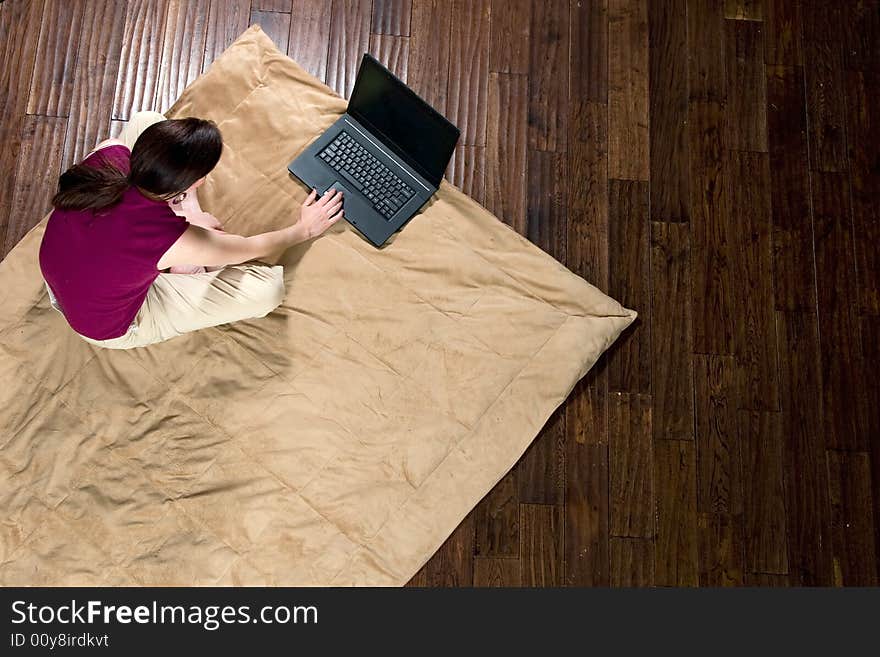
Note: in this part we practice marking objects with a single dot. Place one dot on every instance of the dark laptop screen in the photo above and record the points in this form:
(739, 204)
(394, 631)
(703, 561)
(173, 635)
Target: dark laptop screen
(422, 137)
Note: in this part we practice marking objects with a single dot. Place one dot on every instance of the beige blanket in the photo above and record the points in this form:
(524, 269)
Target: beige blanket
(339, 440)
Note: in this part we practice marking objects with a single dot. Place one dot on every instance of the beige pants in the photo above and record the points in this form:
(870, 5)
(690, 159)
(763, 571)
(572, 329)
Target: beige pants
(179, 303)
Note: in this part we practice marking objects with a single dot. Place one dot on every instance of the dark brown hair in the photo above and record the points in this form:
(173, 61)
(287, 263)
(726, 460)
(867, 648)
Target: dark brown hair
(166, 159)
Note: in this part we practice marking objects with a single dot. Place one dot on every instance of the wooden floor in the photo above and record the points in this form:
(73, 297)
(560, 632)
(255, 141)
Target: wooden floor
(714, 164)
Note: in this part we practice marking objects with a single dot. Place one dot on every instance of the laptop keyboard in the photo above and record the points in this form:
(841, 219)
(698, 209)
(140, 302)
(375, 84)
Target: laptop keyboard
(378, 183)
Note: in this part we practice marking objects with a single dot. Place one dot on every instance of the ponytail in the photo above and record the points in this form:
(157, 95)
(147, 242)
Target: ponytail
(84, 187)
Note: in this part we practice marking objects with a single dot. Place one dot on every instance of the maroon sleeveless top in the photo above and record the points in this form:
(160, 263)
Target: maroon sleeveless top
(100, 265)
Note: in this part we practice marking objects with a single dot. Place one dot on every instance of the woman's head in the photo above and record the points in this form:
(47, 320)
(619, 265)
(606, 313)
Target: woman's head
(167, 159)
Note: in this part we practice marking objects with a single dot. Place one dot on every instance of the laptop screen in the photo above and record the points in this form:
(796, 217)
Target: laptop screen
(420, 135)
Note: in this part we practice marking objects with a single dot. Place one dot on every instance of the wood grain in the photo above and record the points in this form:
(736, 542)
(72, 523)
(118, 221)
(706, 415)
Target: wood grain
(588, 64)
(763, 453)
(469, 70)
(632, 562)
(548, 79)
(745, 125)
(349, 40)
(862, 44)
(629, 365)
(540, 532)
(630, 445)
(391, 17)
(546, 211)
(672, 333)
(57, 53)
(586, 560)
(717, 436)
(823, 66)
(676, 545)
(668, 94)
(271, 5)
(429, 51)
(36, 174)
(467, 171)
(852, 522)
(721, 550)
(453, 563)
(748, 186)
(506, 143)
(540, 473)
(807, 505)
(309, 40)
(227, 19)
(706, 48)
(742, 10)
(628, 90)
(782, 39)
(496, 520)
(275, 24)
(794, 275)
(141, 57)
(509, 36)
(183, 48)
(495, 572)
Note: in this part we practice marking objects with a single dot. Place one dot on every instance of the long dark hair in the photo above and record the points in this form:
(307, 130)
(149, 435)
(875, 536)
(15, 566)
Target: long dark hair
(166, 159)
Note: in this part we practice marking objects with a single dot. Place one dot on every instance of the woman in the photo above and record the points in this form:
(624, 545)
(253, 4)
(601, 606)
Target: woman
(129, 210)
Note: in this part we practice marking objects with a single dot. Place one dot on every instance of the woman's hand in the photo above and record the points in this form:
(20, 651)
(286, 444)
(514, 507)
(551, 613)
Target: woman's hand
(318, 214)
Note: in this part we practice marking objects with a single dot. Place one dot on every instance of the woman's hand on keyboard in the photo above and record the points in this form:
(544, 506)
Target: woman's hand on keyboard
(318, 214)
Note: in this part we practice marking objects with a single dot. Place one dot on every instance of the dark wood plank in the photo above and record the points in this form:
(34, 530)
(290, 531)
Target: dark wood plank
(588, 63)
(420, 579)
(540, 539)
(717, 437)
(509, 36)
(349, 40)
(467, 171)
(671, 332)
(676, 555)
(496, 520)
(183, 49)
(843, 399)
(19, 35)
(862, 44)
(794, 276)
(823, 66)
(748, 185)
(94, 81)
(629, 367)
(743, 10)
(712, 235)
(587, 243)
(632, 562)
(548, 79)
(762, 441)
(310, 36)
(628, 90)
(852, 523)
(392, 51)
(871, 357)
(630, 445)
(506, 142)
(453, 563)
(821, 20)
(227, 19)
(469, 70)
(721, 550)
(391, 17)
(140, 58)
(767, 580)
(116, 128)
(546, 211)
(275, 24)
(428, 67)
(745, 125)
(668, 82)
(706, 47)
(540, 472)
(56, 56)
(586, 513)
(271, 5)
(782, 39)
(807, 507)
(863, 138)
(36, 174)
(495, 572)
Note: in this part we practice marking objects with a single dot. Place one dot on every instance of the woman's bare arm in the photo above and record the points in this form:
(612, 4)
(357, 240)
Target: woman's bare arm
(202, 246)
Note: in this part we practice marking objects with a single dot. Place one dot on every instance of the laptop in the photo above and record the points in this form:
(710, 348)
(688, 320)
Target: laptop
(387, 153)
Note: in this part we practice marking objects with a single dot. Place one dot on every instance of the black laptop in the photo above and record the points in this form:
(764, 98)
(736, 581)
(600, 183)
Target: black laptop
(387, 153)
